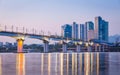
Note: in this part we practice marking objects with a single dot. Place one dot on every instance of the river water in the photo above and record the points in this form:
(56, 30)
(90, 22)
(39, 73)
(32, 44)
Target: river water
(60, 63)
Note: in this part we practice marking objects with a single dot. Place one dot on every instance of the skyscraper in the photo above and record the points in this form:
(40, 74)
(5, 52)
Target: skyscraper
(101, 29)
(88, 31)
(75, 30)
(67, 31)
(90, 35)
(81, 32)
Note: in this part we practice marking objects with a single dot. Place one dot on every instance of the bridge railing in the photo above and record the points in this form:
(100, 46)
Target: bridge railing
(23, 30)
(32, 31)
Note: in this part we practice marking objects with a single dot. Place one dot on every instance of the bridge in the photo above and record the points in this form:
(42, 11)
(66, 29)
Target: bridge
(20, 33)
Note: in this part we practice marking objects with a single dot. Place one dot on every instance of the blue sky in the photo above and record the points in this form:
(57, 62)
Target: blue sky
(49, 15)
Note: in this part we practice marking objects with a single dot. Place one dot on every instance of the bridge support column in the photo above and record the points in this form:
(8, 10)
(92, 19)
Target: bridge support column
(78, 49)
(89, 48)
(96, 47)
(20, 42)
(64, 47)
(103, 48)
(99, 48)
(46, 46)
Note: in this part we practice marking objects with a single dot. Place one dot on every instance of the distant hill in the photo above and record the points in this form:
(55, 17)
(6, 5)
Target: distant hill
(113, 38)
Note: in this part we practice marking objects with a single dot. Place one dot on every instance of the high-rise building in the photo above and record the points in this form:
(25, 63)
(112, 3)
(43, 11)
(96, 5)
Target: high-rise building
(75, 30)
(101, 29)
(88, 31)
(81, 32)
(67, 31)
(90, 35)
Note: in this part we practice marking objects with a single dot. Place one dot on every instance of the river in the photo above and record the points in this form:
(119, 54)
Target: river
(85, 63)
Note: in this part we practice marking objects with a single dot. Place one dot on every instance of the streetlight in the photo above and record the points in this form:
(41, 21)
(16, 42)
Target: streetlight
(0, 27)
(67, 41)
(5, 28)
(75, 43)
(33, 30)
(42, 33)
(49, 34)
(12, 28)
(80, 42)
(90, 45)
(23, 29)
(86, 44)
(26, 31)
(16, 29)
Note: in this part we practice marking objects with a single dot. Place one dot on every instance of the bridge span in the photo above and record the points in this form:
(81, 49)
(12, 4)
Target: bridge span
(20, 37)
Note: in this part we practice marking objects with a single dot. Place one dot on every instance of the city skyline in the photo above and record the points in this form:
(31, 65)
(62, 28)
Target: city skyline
(47, 14)
(87, 31)
(74, 30)
(28, 12)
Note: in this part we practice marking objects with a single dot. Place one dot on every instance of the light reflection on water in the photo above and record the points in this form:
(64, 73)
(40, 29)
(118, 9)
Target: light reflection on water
(20, 64)
(60, 64)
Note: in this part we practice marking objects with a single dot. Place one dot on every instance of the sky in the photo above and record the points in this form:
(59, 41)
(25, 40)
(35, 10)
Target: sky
(49, 15)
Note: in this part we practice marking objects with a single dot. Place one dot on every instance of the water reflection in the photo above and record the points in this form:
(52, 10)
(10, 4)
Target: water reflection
(60, 64)
(98, 64)
(0, 66)
(20, 64)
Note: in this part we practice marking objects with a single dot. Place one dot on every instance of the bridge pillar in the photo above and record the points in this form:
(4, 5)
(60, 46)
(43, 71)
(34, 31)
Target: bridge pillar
(20, 42)
(64, 47)
(89, 48)
(103, 48)
(46, 46)
(96, 47)
(99, 48)
(78, 49)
